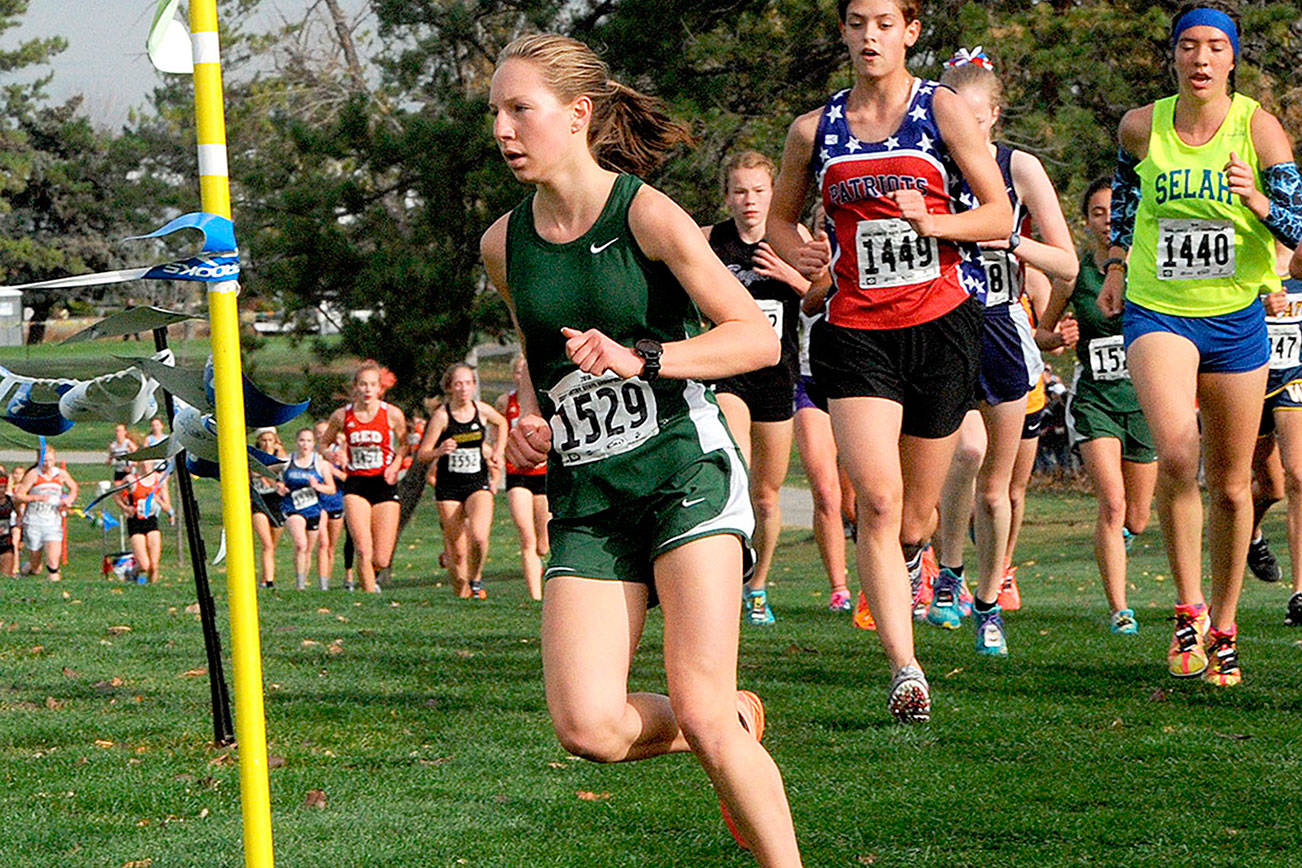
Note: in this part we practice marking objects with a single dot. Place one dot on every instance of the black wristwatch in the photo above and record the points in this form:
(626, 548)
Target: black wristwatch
(1014, 240)
(649, 351)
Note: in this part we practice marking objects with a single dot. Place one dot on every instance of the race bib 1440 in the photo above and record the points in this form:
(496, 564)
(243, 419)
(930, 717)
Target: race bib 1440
(892, 254)
(598, 417)
(1194, 249)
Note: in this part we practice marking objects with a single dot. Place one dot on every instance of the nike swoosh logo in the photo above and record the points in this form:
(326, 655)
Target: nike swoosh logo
(594, 249)
(689, 503)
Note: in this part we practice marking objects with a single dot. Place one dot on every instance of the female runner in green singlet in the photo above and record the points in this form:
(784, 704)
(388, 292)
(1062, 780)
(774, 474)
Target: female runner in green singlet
(1106, 420)
(1192, 242)
(648, 492)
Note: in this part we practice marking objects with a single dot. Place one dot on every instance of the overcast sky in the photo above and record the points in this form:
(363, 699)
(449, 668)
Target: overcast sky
(105, 60)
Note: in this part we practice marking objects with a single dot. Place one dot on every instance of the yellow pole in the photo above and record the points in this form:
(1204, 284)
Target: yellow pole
(224, 322)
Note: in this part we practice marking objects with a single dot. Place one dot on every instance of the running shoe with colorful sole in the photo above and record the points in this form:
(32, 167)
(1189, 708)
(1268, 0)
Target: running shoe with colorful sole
(1123, 622)
(909, 700)
(1222, 660)
(758, 613)
(1187, 655)
(840, 602)
(943, 611)
(991, 640)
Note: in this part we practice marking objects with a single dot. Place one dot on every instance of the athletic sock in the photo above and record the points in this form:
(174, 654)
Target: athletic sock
(301, 581)
(958, 570)
(980, 605)
(323, 582)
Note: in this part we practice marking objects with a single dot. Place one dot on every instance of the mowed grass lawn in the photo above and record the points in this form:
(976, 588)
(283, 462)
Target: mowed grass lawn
(421, 717)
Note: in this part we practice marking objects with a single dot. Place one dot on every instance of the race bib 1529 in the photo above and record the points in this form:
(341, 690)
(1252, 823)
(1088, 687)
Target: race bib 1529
(597, 417)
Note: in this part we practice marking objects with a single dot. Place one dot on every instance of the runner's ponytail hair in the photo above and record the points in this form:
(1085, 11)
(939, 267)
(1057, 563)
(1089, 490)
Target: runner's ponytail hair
(630, 131)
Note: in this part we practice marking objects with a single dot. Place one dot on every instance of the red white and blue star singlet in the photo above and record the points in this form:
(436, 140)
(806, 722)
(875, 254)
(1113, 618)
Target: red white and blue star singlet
(885, 275)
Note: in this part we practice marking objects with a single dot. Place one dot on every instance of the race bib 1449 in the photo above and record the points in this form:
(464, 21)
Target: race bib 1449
(891, 254)
(597, 417)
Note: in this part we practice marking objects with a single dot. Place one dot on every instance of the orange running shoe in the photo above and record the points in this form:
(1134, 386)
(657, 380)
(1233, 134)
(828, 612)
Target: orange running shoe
(750, 711)
(930, 569)
(1010, 598)
(1187, 656)
(863, 618)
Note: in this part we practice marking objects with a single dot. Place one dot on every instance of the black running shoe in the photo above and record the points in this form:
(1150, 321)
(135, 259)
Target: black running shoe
(1262, 562)
(1293, 617)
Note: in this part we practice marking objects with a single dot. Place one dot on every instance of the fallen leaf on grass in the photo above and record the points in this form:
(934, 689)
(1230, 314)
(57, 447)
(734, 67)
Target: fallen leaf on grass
(1232, 736)
(53, 704)
(118, 629)
(794, 649)
(275, 762)
(141, 823)
(36, 649)
(867, 859)
(951, 673)
(194, 673)
(437, 761)
(192, 609)
(310, 643)
(588, 796)
(224, 759)
(139, 863)
(106, 686)
(341, 619)
(335, 648)
(556, 765)
(103, 743)
(70, 673)
(315, 799)
(1116, 723)
(203, 813)
(321, 611)
(465, 654)
(1158, 695)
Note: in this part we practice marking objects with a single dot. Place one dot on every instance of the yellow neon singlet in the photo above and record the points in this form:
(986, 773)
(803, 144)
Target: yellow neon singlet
(1198, 250)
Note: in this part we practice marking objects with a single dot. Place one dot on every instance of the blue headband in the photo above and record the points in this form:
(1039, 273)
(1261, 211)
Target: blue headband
(1209, 18)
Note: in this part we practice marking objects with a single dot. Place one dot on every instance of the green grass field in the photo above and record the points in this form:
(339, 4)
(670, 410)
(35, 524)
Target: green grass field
(422, 719)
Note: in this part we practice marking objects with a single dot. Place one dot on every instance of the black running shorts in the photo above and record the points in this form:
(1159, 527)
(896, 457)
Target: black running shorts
(929, 369)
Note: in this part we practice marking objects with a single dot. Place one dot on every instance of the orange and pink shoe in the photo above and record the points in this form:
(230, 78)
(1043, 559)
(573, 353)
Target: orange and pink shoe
(1010, 598)
(863, 616)
(1187, 656)
(750, 711)
(1222, 659)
